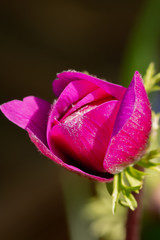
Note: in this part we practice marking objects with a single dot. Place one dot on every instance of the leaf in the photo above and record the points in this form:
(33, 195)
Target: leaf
(128, 188)
(123, 203)
(152, 154)
(156, 88)
(134, 177)
(130, 199)
(156, 78)
(128, 181)
(149, 73)
(147, 162)
(151, 80)
(155, 168)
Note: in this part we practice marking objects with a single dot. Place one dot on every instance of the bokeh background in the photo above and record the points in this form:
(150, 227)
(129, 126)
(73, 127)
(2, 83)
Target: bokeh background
(110, 39)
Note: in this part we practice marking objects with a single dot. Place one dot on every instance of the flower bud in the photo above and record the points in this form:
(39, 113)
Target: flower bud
(95, 128)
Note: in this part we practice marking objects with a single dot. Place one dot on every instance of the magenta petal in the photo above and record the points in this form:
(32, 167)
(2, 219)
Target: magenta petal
(65, 78)
(84, 135)
(71, 94)
(30, 113)
(131, 129)
(45, 151)
(94, 98)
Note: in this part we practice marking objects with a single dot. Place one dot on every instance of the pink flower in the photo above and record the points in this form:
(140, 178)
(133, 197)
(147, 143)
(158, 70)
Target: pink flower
(95, 128)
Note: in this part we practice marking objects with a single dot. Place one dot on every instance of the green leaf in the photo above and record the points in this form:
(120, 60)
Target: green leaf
(155, 168)
(149, 74)
(156, 78)
(151, 155)
(128, 181)
(156, 88)
(130, 200)
(126, 187)
(134, 177)
(147, 162)
(135, 173)
(150, 79)
(123, 203)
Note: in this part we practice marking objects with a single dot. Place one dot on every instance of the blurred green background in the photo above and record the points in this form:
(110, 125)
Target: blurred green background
(110, 39)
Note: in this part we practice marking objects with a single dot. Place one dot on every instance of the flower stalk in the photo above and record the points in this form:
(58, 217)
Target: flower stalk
(133, 226)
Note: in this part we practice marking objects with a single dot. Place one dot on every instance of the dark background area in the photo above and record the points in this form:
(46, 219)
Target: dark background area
(37, 40)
